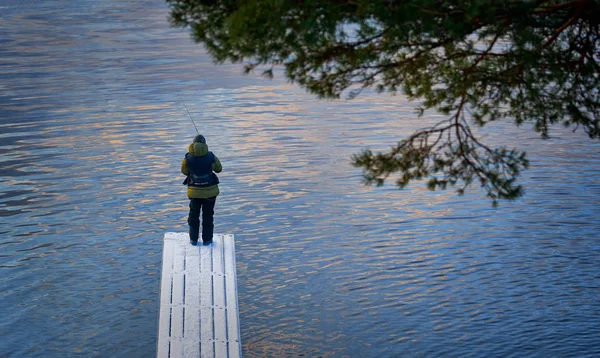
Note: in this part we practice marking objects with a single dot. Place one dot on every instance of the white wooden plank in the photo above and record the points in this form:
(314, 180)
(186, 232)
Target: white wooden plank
(191, 332)
(220, 321)
(164, 321)
(176, 348)
(206, 302)
(172, 236)
(199, 313)
(177, 301)
(233, 326)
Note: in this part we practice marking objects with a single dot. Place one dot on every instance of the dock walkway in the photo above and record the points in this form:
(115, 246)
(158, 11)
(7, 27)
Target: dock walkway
(199, 315)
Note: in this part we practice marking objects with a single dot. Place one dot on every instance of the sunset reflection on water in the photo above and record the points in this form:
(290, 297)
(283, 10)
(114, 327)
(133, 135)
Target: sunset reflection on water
(91, 140)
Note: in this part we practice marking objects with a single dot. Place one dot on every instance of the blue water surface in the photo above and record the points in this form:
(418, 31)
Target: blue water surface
(92, 133)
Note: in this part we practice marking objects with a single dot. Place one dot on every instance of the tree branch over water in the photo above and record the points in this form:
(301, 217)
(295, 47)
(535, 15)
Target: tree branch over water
(478, 62)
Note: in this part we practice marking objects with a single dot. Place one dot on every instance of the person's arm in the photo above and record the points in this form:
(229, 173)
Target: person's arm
(184, 169)
(216, 166)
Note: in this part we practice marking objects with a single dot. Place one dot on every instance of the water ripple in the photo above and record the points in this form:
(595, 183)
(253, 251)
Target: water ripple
(90, 148)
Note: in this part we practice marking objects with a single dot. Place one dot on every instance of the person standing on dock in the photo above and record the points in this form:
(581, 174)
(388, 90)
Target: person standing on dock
(199, 166)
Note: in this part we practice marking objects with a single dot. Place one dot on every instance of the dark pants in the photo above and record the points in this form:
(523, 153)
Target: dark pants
(208, 210)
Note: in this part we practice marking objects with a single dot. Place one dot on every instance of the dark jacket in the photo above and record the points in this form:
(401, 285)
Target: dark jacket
(201, 150)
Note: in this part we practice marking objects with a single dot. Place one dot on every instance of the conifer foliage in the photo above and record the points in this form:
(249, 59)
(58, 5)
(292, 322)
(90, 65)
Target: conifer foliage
(476, 62)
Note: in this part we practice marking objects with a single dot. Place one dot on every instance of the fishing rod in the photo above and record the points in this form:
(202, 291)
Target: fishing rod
(188, 112)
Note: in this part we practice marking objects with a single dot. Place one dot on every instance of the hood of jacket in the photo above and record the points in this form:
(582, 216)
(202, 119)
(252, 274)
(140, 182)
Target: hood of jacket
(198, 149)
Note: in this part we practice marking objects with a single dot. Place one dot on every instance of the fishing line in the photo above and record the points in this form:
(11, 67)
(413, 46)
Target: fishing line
(188, 112)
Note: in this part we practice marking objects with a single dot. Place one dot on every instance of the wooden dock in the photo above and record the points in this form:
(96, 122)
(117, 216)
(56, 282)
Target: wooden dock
(198, 299)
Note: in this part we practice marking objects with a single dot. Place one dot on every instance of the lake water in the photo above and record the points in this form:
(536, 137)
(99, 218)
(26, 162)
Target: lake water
(92, 134)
